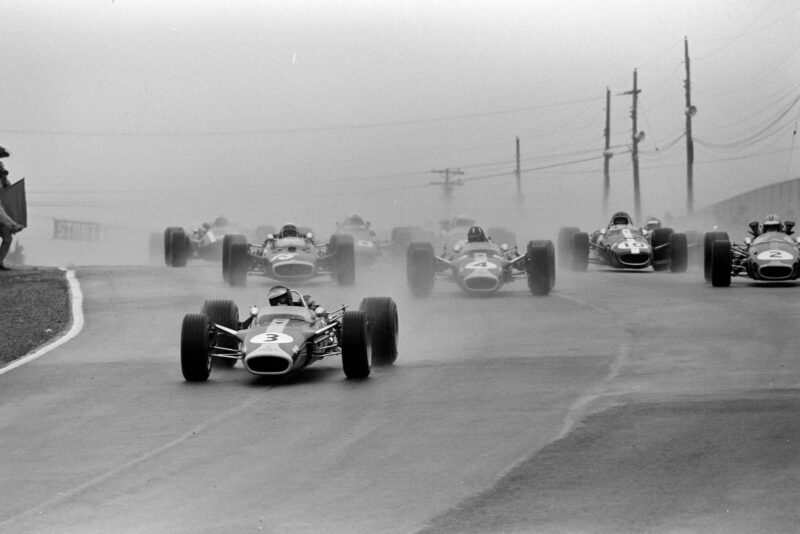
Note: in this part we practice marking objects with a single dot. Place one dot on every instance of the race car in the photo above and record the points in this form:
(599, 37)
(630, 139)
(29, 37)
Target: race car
(204, 242)
(480, 266)
(770, 254)
(365, 244)
(283, 339)
(289, 257)
(622, 245)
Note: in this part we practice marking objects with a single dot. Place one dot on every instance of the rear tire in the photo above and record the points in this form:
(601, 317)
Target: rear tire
(179, 247)
(580, 251)
(226, 313)
(356, 350)
(237, 260)
(721, 263)
(168, 244)
(540, 267)
(226, 257)
(381, 315)
(678, 253)
(709, 238)
(420, 268)
(195, 342)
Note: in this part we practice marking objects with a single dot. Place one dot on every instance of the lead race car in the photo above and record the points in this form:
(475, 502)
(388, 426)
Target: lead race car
(770, 254)
(203, 242)
(623, 245)
(290, 334)
(288, 256)
(477, 265)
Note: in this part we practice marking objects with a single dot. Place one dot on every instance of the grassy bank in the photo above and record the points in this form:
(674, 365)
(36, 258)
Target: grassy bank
(34, 308)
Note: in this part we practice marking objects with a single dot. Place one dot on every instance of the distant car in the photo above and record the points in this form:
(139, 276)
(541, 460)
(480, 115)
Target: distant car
(481, 267)
(622, 245)
(402, 236)
(202, 242)
(366, 247)
(288, 259)
(770, 257)
(282, 340)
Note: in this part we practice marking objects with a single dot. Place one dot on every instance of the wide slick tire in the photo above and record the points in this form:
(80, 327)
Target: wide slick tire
(540, 267)
(678, 253)
(179, 247)
(382, 318)
(580, 251)
(344, 259)
(225, 313)
(709, 238)
(564, 246)
(355, 345)
(195, 344)
(226, 257)
(721, 263)
(168, 244)
(420, 268)
(237, 260)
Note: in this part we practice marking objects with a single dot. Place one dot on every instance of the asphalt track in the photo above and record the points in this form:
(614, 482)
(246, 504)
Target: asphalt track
(623, 402)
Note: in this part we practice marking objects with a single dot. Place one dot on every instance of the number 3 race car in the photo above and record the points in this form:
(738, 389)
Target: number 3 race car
(771, 256)
(288, 258)
(481, 267)
(284, 339)
(622, 245)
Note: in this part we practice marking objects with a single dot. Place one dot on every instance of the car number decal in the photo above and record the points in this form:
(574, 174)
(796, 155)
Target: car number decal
(774, 255)
(284, 257)
(271, 337)
(481, 265)
(632, 244)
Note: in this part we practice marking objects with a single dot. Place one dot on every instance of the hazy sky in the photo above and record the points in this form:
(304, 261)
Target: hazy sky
(269, 111)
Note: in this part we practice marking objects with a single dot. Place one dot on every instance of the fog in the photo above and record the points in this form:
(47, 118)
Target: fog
(138, 115)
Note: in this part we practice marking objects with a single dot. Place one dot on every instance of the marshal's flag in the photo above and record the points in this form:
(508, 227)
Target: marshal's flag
(13, 201)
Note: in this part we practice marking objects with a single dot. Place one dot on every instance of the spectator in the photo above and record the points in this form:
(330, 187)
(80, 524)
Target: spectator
(8, 226)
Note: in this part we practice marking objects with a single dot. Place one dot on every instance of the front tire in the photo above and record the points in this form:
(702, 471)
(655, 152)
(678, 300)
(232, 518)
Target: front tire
(237, 260)
(420, 268)
(660, 242)
(195, 344)
(721, 263)
(344, 259)
(540, 267)
(225, 313)
(381, 315)
(580, 252)
(678, 253)
(708, 239)
(356, 349)
(565, 248)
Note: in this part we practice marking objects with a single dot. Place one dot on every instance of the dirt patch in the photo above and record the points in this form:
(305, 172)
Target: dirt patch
(34, 308)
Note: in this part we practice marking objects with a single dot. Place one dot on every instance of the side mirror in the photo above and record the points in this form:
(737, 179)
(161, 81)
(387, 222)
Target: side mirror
(309, 235)
(602, 231)
(754, 227)
(789, 226)
(270, 236)
(504, 247)
(747, 241)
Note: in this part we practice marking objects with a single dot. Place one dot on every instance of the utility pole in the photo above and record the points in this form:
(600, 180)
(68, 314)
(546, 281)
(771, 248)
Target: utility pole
(607, 154)
(447, 184)
(518, 174)
(690, 111)
(636, 137)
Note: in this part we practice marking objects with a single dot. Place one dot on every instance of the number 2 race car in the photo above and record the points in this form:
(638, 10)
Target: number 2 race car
(622, 245)
(284, 339)
(770, 256)
(293, 258)
(481, 267)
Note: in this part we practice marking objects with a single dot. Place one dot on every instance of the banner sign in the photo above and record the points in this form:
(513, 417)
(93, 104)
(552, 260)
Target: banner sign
(76, 230)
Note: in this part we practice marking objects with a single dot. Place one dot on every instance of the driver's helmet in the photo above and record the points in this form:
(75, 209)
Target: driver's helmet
(620, 218)
(652, 223)
(288, 230)
(279, 296)
(772, 224)
(354, 219)
(476, 235)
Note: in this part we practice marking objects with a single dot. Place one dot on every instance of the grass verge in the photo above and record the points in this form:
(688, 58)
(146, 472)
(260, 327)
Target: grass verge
(34, 308)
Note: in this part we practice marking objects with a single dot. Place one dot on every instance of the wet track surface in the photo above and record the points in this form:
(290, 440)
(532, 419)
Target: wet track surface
(624, 401)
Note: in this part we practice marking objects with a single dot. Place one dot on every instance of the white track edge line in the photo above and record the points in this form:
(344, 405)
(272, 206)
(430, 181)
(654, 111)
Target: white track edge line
(76, 298)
